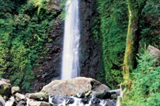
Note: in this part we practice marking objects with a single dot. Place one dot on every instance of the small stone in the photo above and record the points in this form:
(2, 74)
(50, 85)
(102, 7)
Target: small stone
(95, 101)
(15, 89)
(19, 97)
(39, 103)
(85, 100)
(79, 95)
(40, 96)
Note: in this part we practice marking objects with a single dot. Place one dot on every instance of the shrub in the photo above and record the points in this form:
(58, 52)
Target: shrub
(146, 84)
(24, 28)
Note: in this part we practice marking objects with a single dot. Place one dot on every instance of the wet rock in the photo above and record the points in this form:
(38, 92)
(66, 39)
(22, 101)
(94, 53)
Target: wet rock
(95, 101)
(80, 95)
(70, 101)
(85, 100)
(57, 99)
(90, 49)
(115, 93)
(74, 101)
(111, 103)
(21, 103)
(74, 86)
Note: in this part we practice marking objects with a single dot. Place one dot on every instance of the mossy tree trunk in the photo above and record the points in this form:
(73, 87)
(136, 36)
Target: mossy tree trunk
(134, 10)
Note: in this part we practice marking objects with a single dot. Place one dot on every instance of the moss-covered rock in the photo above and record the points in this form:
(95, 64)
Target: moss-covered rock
(5, 87)
(40, 96)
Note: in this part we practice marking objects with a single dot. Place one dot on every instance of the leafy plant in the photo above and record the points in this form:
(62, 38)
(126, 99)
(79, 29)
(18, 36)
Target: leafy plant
(149, 24)
(145, 87)
(23, 34)
(113, 28)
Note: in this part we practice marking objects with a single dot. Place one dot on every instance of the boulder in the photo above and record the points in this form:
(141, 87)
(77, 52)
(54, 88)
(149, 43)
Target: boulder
(5, 87)
(154, 51)
(74, 86)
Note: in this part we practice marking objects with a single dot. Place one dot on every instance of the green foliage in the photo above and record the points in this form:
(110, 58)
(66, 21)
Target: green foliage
(40, 4)
(63, 5)
(22, 38)
(113, 29)
(149, 24)
(113, 26)
(146, 82)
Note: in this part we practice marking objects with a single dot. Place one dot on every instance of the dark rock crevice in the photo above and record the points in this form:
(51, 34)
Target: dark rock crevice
(90, 49)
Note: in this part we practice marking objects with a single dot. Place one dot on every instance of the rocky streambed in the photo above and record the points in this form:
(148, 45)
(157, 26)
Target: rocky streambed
(80, 91)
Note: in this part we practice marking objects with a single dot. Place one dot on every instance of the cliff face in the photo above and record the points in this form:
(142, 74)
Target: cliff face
(50, 66)
(90, 50)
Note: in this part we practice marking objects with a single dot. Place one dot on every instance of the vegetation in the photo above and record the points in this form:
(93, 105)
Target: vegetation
(140, 29)
(24, 29)
(113, 28)
(134, 11)
(145, 86)
(124, 27)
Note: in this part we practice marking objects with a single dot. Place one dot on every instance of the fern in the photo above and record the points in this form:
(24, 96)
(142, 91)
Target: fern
(145, 87)
(113, 28)
(22, 38)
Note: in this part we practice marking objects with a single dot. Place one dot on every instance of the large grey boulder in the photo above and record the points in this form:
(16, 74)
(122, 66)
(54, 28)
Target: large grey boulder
(75, 86)
(154, 51)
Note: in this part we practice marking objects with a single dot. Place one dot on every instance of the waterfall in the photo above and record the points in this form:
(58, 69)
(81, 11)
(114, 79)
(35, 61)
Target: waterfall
(70, 59)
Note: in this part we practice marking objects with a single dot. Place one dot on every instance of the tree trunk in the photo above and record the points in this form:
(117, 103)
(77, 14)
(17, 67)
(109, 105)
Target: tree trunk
(131, 42)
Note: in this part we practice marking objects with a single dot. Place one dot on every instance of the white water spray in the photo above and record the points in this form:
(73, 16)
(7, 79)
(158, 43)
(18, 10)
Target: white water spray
(70, 59)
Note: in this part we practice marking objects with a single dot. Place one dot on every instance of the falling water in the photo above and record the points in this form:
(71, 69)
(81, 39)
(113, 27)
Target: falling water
(70, 60)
